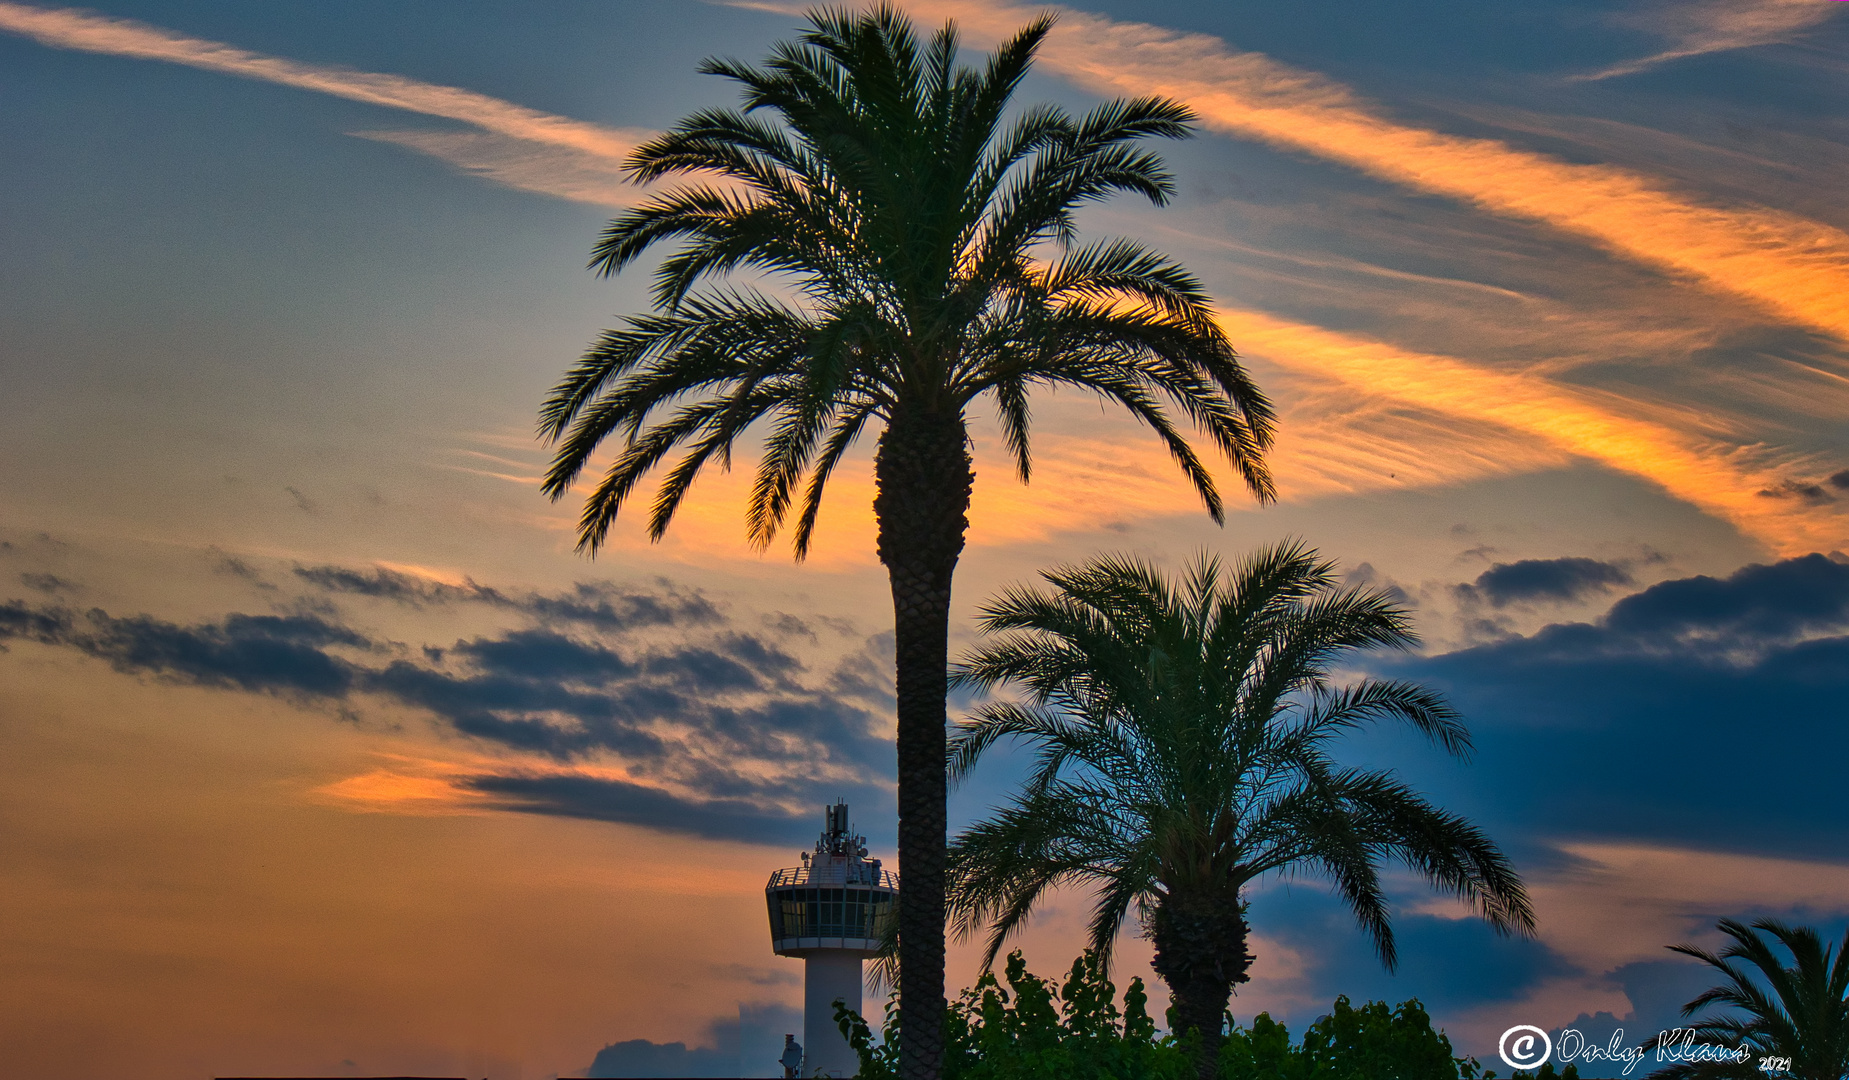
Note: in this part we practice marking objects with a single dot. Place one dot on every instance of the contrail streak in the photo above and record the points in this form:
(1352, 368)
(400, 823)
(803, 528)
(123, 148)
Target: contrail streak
(1698, 29)
(1790, 265)
(71, 28)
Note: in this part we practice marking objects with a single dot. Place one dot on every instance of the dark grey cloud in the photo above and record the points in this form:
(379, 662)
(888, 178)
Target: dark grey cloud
(50, 584)
(1840, 479)
(660, 680)
(1364, 575)
(546, 654)
(1757, 605)
(786, 625)
(533, 712)
(602, 799)
(547, 692)
(611, 607)
(1553, 580)
(731, 662)
(46, 626)
(747, 1045)
(1802, 490)
(642, 1058)
(236, 567)
(280, 654)
(1703, 712)
(379, 582)
(596, 605)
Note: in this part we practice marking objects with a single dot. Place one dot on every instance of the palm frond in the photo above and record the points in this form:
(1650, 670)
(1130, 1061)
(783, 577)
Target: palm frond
(1798, 1011)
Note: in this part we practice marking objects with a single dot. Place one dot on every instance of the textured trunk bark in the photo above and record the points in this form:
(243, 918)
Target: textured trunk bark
(924, 473)
(1200, 942)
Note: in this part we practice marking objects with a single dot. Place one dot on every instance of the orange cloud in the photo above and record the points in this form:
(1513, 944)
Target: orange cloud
(385, 791)
(1792, 266)
(1722, 480)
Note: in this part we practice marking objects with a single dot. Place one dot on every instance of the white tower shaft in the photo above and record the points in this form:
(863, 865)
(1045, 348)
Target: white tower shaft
(829, 975)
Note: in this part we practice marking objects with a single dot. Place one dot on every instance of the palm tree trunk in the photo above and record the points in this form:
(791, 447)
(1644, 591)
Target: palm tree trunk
(924, 473)
(1200, 941)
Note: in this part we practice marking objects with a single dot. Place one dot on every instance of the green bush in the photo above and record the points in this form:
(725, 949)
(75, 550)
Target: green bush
(1372, 1042)
(1034, 1029)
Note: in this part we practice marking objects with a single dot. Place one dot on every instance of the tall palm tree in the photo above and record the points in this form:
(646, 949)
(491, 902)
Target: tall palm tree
(924, 235)
(1183, 733)
(1800, 1013)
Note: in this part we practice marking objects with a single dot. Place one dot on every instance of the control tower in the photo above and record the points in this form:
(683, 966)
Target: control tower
(832, 911)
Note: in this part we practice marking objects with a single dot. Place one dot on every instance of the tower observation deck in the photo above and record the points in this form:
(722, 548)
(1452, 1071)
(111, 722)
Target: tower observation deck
(833, 911)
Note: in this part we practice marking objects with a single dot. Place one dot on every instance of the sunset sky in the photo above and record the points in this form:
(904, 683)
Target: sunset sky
(322, 752)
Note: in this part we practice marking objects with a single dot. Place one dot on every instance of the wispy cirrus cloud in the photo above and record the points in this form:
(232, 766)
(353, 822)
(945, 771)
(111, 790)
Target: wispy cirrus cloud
(517, 146)
(1359, 414)
(1514, 422)
(1721, 479)
(562, 172)
(1717, 26)
(1787, 264)
(1098, 470)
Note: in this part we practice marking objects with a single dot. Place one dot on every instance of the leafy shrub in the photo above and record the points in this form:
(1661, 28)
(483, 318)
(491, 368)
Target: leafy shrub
(1033, 1029)
(1372, 1042)
(1037, 1029)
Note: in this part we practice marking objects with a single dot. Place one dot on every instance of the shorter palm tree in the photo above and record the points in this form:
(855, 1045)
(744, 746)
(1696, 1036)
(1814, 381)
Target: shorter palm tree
(1799, 1013)
(1183, 734)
